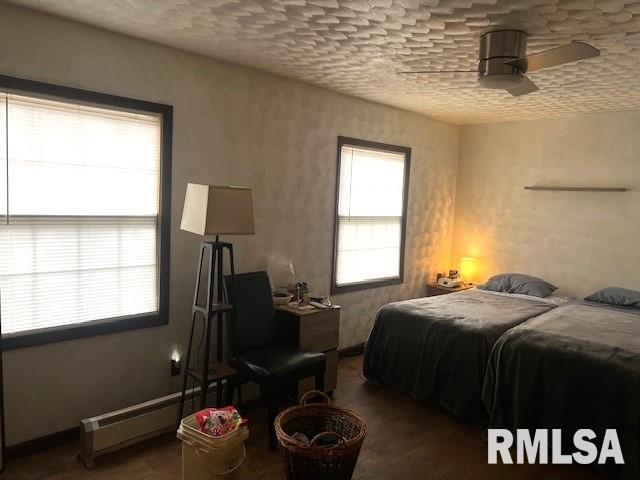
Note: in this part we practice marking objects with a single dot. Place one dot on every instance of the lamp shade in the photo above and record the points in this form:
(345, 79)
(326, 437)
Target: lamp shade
(217, 210)
(467, 269)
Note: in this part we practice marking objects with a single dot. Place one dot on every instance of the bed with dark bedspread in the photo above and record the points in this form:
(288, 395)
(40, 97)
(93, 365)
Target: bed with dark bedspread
(577, 366)
(436, 349)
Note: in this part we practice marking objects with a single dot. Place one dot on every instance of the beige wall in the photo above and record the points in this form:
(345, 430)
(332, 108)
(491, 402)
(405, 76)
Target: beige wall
(579, 241)
(231, 125)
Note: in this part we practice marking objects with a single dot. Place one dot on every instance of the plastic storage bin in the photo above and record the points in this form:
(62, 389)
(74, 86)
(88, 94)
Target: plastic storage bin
(210, 458)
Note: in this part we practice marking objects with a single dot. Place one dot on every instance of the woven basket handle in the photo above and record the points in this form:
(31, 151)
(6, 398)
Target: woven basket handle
(315, 439)
(314, 393)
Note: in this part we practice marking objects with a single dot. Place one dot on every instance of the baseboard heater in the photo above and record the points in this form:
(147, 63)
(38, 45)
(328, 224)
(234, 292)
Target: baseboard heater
(121, 428)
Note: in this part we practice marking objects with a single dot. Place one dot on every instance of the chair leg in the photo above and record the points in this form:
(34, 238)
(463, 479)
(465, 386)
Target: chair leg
(219, 394)
(272, 412)
(320, 381)
(231, 386)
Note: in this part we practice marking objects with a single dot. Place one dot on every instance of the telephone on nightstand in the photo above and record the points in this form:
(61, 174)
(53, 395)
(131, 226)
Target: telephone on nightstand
(452, 281)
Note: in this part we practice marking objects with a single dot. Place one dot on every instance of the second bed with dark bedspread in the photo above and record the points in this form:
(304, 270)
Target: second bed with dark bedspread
(436, 349)
(575, 367)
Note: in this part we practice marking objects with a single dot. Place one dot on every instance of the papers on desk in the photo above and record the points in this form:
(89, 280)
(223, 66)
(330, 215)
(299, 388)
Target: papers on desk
(302, 308)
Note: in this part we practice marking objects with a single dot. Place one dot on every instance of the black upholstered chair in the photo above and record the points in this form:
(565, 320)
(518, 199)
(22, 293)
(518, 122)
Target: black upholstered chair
(255, 351)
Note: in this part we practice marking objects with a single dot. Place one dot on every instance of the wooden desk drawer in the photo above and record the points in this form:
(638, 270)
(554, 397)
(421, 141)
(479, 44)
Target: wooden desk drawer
(319, 332)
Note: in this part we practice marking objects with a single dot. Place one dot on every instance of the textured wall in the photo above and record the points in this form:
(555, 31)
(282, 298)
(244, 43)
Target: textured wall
(579, 241)
(231, 125)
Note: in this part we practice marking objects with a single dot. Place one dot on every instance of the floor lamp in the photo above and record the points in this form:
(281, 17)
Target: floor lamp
(212, 210)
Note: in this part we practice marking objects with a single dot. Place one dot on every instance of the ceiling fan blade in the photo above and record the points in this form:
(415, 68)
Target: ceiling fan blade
(441, 71)
(556, 56)
(526, 86)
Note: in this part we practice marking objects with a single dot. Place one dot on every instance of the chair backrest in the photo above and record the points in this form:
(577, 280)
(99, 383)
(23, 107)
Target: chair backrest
(254, 324)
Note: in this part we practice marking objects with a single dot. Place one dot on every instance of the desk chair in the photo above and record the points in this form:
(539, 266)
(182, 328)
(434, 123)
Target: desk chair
(255, 351)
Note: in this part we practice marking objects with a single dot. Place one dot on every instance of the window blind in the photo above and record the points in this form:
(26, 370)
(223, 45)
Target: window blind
(370, 209)
(80, 188)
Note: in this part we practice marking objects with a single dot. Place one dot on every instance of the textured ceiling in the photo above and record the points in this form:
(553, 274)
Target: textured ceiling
(358, 46)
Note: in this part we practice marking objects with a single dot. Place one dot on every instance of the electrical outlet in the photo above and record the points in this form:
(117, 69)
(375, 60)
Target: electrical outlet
(175, 368)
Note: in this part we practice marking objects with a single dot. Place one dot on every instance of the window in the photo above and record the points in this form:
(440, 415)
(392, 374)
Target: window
(83, 212)
(371, 206)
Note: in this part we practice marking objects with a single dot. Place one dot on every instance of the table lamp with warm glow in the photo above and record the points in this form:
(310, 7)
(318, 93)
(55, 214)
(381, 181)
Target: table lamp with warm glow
(213, 210)
(468, 269)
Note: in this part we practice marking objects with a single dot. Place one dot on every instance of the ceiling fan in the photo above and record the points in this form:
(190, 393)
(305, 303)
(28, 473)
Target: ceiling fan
(504, 62)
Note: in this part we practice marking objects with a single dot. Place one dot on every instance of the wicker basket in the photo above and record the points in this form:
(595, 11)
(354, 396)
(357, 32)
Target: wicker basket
(317, 421)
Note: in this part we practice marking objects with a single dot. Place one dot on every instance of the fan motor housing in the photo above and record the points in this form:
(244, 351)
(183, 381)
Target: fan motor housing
(496, 48)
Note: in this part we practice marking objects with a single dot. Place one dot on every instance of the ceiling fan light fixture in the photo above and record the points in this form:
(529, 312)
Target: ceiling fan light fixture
(500, 80)
(503, 61)
(496, 48)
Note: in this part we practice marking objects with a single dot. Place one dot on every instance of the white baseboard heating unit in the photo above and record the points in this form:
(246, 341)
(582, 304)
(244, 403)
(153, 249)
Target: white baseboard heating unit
(121, 428)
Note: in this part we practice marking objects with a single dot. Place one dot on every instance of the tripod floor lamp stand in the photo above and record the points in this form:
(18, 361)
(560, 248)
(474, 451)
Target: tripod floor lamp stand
(212, 210)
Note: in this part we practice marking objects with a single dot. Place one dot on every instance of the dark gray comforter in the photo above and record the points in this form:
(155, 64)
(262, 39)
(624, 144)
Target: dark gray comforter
(577, 366)
(436, 349)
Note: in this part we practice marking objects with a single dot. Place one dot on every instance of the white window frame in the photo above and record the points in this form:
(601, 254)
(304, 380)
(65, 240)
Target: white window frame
(374, 282)
(108, 325)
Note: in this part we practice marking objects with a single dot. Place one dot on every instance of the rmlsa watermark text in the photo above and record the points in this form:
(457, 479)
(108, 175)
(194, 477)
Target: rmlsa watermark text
(536, 449)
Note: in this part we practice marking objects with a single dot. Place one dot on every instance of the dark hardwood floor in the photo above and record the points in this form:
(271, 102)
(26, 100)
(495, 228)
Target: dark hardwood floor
(406, 440)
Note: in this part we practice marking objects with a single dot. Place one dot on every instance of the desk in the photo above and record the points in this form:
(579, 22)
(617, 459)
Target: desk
(316, 330)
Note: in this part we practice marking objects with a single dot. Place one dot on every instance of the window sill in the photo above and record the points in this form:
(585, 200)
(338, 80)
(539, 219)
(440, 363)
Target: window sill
(44, 336)
(354, 287)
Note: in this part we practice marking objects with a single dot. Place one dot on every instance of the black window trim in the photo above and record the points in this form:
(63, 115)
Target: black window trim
(44, 336)
(382, 282)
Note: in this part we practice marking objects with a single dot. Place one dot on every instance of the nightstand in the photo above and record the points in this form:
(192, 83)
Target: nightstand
(433, 289)
(316, 330)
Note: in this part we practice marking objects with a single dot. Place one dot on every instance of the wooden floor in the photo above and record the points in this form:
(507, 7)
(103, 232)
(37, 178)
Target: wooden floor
(406, 440)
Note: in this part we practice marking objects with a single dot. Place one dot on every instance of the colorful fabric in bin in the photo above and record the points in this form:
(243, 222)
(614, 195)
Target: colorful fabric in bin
(219, 421)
